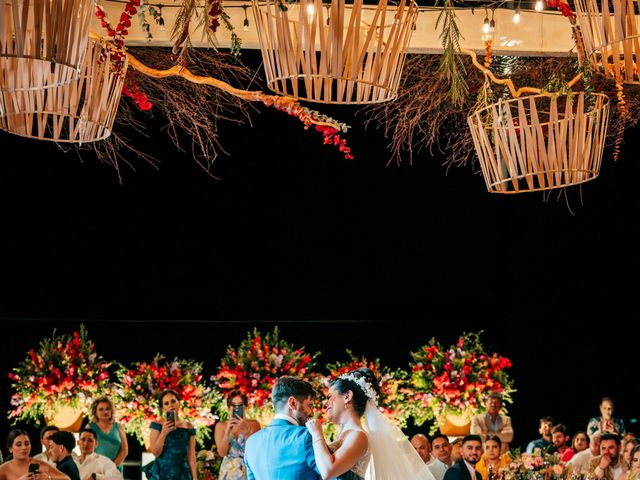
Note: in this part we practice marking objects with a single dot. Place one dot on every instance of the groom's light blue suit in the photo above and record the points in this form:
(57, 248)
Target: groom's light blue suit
(281, 451)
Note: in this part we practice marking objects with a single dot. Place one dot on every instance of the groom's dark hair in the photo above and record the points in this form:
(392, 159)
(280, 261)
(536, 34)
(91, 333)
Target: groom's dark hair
(288, 386)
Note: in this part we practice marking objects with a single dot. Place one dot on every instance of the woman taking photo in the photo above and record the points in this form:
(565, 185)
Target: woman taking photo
(173, 443)
(22, 466)
(112, 441)
(231, 436)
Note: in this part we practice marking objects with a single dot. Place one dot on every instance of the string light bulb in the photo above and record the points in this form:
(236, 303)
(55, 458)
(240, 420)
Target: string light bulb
(539, 6)
(311, 10)
(245, 24)
(486, 28)
(492, 23)
(516, 16)
(160, 20)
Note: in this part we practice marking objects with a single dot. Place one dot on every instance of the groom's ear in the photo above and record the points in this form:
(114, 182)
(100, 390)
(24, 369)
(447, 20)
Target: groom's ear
(292, 403)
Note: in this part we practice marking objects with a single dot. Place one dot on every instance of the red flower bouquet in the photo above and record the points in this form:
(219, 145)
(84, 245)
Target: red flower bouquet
(136, 402)
(64, 371)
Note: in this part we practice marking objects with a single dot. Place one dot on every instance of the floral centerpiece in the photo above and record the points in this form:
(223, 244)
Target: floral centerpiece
(208, 464)
(535, 466)
(136, 401)
(255, 364)
(393, 385)
(64, 371)
(456, 380)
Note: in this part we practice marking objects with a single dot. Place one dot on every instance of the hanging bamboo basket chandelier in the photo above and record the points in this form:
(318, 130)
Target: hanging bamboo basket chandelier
(610, 37)
(333, 53)
(82, 111)
(540, 142)
(42, 42)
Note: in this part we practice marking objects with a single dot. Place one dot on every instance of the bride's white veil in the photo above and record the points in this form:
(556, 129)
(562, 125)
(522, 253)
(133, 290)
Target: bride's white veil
(392, 455)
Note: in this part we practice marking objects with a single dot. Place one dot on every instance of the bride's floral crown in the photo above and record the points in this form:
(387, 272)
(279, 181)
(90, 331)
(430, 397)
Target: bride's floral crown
(366, 387)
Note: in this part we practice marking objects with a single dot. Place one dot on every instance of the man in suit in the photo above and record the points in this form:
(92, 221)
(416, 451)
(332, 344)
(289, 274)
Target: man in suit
(284, 449)
(465, 469)
(493, 423)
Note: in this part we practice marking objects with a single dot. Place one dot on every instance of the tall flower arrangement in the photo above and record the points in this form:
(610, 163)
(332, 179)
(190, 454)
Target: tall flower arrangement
(64, 371)
(456, 379)
(138, 385)
(253, 366)
(394, 400)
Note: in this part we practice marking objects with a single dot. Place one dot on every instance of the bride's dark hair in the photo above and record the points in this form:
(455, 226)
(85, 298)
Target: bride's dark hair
(343, 385)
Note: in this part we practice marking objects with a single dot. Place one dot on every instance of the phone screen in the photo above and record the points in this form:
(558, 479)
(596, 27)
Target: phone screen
(171, 416)
(238, 411)
(34, 468)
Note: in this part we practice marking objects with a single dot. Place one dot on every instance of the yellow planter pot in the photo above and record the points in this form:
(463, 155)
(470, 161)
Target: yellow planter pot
(65, 418)
(455, 425)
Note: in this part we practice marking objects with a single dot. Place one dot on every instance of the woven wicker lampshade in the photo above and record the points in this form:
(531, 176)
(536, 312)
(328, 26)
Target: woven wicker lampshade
(334, 54)
(83, 111)
(540, 142)
(42, 42)
(610, 37)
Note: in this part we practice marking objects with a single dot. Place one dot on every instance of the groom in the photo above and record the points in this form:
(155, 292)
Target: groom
(284, 449)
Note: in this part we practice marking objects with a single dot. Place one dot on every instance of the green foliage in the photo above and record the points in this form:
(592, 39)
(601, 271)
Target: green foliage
(451, 67)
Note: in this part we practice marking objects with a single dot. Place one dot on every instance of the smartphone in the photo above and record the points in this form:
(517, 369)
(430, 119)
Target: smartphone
(171, 416)
(238, 411)
(34, 467)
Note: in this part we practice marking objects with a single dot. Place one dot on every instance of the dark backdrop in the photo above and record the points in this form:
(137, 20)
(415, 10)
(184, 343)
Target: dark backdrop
(342, 254)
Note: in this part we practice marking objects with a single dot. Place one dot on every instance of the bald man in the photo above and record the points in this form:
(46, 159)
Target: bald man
(421, 443)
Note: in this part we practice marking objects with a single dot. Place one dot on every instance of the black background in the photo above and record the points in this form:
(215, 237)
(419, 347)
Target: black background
(340, 254)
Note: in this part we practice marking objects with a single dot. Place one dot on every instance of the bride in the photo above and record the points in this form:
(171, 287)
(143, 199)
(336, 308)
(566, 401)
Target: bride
(377, 451)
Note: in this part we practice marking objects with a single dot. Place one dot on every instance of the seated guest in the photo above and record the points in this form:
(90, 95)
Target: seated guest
(61, 446)
(580, 461)
(544, 442)
(626, 449)
(606, 422)
(559, 438)
(45, 440)
(20, 466)
(579, 443)
(493, 423)
(421, 443)
(456, 450)
(492, 459)
(633, 473)
(607, 465)
(441, 451)
(91, 463)
(465, 469)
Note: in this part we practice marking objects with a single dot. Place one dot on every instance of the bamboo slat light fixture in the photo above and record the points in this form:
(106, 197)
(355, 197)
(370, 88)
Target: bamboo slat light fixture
(337, 55)
(540, 142)
(42, 42)
(610, 37)
(82, 111)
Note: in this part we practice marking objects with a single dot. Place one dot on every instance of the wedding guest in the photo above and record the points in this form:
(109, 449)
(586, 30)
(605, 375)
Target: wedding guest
(544, 442)
(173, 443)
(112, 440)
(421, 444)
(628, 435)
(626, 449)
(492, 459)
(559, 438)
(18, 468)
(465, 469)
(607, 465)
(91, 463)
(606, 422)
(231, 437)
(62, 444)
(492, 422)
(441, 451)
(633, 473)
(456, 450)
(45, 440)
(580, 461)
(579, 443)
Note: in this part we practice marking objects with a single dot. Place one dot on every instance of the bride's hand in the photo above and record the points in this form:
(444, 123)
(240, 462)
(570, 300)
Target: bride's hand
(315, 428)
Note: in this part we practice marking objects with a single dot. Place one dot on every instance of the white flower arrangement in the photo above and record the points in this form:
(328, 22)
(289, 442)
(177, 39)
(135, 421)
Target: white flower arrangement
(366, 387)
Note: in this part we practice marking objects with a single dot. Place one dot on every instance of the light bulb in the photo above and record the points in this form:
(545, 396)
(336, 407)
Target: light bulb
(516, 16)
(245, 25)
(485, 26)
(492, 25)
(539, 6)
(310, 10)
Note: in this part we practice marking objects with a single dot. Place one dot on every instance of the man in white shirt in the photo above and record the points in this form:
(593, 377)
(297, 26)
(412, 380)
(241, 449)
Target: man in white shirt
(421, 444)
(580, 462)
(441, 450)
(94, 466)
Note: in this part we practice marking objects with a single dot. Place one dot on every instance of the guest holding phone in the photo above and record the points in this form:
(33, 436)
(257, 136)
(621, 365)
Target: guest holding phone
(231, 436)
(22, 466)
(173, 443)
